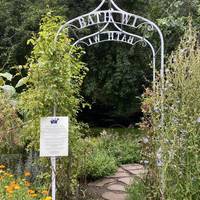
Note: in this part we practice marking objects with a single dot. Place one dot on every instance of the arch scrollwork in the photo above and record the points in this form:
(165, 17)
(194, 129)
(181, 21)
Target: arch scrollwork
(105, 19)
(115, 15)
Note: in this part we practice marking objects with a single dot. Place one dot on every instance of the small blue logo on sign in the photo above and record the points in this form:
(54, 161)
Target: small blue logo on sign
(54, 121)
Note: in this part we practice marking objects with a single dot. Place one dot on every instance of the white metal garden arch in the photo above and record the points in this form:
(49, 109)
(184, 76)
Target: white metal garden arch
(110, 25)
(115, 16)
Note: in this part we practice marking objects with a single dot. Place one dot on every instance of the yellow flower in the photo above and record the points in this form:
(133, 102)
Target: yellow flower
(26, 173)
(8, 174)
(45, 192)
(34, 195)
(47, 198)
(2, 167)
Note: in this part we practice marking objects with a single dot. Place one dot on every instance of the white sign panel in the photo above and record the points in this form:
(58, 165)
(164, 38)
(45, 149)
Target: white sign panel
(54, 136)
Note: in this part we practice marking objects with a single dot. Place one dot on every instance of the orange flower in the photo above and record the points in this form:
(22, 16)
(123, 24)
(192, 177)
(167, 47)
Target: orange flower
(2, 167)
(31, 191)
(13, 186)
(16, 187)
(9, 189)
(45, 192)
(13, 183)
(26, 173)
(27, 184)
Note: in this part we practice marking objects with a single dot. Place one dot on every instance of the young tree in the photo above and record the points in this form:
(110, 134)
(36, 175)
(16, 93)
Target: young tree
(55, 76)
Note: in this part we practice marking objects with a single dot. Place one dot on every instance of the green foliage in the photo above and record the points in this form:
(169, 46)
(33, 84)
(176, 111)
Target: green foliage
(124, 148)
(99, 164)
(113, 77)
(10, 125)
(107, 151)
(133, 132)
(173, 150)
(172, 17)
(55, 75)
(114, 81)
(137, 191)
(19, 20)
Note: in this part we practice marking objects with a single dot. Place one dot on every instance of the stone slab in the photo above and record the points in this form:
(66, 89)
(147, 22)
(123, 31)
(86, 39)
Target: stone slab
(137, 172)
(132, 167)
(126, 180)
(119, 175)
(120, 170)
(117, 187)
(114, 196)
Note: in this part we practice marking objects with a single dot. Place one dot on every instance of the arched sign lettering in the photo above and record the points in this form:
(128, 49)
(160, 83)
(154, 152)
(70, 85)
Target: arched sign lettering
(110, 25)
(110, 22)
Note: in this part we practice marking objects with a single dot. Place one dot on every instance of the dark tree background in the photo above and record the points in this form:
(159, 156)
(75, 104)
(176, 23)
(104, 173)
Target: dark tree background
(118, 72)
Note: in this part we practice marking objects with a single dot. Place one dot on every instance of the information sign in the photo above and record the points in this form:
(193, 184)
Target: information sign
(54, 136)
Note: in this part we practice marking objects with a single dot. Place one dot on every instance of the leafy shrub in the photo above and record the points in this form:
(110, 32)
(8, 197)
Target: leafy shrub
(173, 150)
(124, 148)
(99, 164)
(104, 153)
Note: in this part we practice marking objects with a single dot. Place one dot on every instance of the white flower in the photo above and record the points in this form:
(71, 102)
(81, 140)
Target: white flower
(167, 70)
(156, 110)
(198, 120)
(103, 133)
(145, 140)
(159, 154)
(159, 157)
(146, 162)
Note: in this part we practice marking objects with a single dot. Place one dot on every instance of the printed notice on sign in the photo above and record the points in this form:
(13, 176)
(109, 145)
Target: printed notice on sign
(54, 136)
